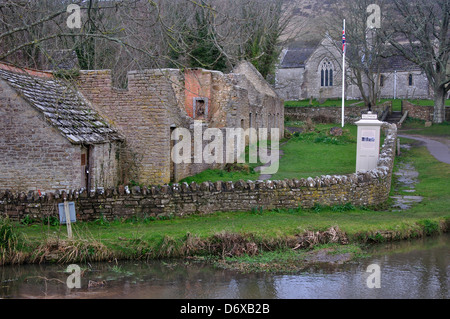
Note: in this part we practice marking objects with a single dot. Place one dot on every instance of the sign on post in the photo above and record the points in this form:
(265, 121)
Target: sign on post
(67, 215)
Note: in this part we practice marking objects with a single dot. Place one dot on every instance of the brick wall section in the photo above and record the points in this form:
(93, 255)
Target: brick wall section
(198, 85)
(34, 155)
(327, 114)
(363, 189)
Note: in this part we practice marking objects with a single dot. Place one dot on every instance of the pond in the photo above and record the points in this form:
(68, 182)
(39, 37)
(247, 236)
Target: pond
(408, 269)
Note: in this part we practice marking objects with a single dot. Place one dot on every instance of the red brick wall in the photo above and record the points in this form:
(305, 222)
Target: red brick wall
(198, 85)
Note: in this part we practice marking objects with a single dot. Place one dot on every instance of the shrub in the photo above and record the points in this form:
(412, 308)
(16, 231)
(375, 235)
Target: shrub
(429, 227)
(9, 236)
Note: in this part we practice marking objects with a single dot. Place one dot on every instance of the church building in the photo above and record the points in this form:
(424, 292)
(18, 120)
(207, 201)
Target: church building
(315, 71)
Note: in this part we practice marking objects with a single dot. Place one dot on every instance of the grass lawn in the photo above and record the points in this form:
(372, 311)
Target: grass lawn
(240, 172)
(315, 102)
(433, 179)
(305, 155)
(396, 103)
(416, 126)
(426, 102)
(315, 154)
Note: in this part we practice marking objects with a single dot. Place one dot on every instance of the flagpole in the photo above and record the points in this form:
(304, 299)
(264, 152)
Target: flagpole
(343, 72)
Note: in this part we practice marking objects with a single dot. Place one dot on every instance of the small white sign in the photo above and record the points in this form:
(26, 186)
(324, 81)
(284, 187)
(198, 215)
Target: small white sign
(62, 214)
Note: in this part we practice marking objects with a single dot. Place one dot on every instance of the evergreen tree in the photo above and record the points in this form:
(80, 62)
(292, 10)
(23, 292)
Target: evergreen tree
(204, 50)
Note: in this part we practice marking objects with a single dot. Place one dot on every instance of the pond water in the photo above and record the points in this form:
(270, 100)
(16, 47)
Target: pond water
(408, 269)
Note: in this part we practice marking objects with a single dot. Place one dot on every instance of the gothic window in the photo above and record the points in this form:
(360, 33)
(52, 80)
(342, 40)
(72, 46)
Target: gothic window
(410, 79)
(381, 80)
(326, 73)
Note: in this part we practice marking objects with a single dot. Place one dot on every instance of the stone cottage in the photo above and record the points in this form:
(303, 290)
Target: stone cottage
(50, 136)
(316, 71)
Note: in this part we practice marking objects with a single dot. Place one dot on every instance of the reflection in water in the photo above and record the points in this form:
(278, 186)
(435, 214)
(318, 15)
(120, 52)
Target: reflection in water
(416, 269)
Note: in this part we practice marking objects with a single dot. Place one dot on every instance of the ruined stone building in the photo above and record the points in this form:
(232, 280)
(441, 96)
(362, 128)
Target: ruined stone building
(157, 102)
(316, 71)
(56, 135)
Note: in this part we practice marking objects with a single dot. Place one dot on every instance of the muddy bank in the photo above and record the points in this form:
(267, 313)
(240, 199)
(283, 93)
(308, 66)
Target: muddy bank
(220, 246)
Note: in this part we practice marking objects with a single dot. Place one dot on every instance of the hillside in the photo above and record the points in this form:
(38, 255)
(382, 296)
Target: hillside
(309, 18)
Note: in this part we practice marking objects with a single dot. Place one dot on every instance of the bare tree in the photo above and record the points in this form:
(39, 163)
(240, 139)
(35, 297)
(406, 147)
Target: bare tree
(420, 32)
(365, 47)
(132, 34)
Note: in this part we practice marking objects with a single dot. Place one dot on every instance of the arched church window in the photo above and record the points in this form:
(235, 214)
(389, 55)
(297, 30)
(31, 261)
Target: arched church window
(326, 73)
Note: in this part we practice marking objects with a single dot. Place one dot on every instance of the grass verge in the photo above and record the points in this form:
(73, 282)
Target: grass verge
(416, 126)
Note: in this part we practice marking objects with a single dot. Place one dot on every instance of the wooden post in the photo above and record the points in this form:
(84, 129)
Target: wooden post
(68, 223)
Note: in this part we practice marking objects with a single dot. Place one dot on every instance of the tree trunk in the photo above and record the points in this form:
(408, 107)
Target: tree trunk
(439, 105)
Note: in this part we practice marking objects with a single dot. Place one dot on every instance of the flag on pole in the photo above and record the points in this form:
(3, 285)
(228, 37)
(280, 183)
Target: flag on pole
(343, 39)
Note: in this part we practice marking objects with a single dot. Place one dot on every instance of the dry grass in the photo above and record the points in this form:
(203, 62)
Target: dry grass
(70, 251)
(311, 238)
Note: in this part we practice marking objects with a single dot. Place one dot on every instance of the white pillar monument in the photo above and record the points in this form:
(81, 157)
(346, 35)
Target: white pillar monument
(368, 145)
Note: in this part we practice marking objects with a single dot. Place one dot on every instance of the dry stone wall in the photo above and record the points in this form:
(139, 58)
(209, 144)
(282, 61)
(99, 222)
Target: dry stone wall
(360, 189)
(332, 114)
(422, 112)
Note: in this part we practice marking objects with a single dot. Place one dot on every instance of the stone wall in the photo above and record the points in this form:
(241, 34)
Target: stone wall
(34, 155)
(266, 108)
(422, 112)
(141, 114)
(417, 111)
(396, 84)
(289, 83)
(332, 114)
(360, 189)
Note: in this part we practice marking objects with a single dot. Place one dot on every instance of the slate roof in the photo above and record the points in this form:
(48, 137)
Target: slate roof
(297, 55)
(296, 58)
(63, 107)
(397, 63)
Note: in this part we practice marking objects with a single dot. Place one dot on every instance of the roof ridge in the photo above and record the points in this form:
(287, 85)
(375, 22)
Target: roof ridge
(63, 107)
(23, 70)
